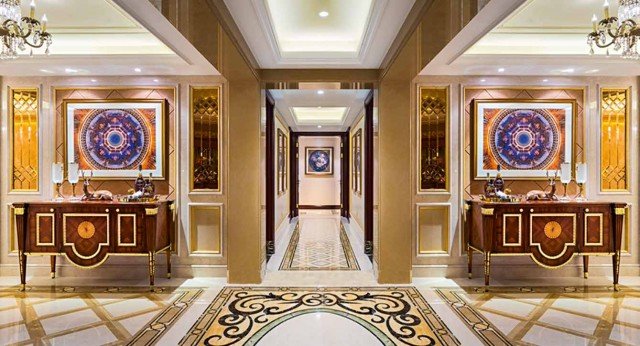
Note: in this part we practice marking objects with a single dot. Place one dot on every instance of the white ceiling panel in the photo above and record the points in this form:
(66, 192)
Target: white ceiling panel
(293, 34)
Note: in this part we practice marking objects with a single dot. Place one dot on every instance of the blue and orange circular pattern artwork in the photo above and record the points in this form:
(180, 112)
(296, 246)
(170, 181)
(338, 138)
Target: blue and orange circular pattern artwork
(115, 138)
(525, 139)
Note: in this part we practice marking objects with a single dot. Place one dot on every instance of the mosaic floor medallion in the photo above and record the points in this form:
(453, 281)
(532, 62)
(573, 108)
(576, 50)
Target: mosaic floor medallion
(391, 316)
(549, 315)
(45, 315)
(320, 249)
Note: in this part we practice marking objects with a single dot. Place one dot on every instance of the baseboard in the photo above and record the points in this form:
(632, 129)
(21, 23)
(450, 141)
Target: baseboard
(520, 271)
(319, 207)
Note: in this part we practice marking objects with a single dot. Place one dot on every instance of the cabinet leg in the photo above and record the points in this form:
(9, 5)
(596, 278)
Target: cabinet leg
(23, 270)
(53, 267)
(152, 268)
(616, 270)
(487, 267)
(470, 262)
(585, 262)
(169, 262)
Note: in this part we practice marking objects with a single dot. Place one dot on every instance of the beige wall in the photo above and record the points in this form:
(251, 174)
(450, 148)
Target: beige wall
(356, 202)
(319, 189)
(185, 263)
(454, 263)
(282, 200)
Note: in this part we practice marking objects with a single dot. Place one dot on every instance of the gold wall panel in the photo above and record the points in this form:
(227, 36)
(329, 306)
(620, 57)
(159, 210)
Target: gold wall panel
(205, 138)
(23, 115)
(13, 240)
(205, 229)
(433, 229)
(614, 137)
(433, 138)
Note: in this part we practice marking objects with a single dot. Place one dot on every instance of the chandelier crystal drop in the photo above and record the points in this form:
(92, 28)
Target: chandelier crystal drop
(17, 32)
(622, 33)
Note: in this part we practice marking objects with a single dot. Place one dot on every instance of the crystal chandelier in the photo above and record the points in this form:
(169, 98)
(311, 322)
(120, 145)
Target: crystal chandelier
(622, 32)
(18, 32)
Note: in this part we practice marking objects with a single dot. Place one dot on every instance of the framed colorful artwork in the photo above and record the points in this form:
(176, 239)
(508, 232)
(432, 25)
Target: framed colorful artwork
(281, 163)
(357, 162)
(319, 160)
(114, 138)
(526, 139)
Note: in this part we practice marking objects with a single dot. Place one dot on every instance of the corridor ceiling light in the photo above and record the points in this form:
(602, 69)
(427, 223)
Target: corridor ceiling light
(483, 80)
(17, 32)
(622, 32)
(94, 80)
(319, 115)
(501, 70)
(323, 14)
(545, 80)
(568, 70)
(319, 126)
(70, 70)
(137, 69)
(320, 92)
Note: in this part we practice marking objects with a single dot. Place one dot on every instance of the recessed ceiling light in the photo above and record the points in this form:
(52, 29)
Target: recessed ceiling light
(46, 71)
(137, 69)
(568, 70)
(94, 80)
(320, 92)
(319, 126)
(319, 107)
(483, 80)
(70, 70)
(593, 71)
(501, 70)
(545, 80)
(156, 80)
(323, 14)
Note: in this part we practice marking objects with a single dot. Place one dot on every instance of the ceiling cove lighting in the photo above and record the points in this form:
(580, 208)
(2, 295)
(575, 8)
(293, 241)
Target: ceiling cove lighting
(501, 70)
(17, 32)
(323, 14)
(621, 32)
(137, 69)
(320, 92)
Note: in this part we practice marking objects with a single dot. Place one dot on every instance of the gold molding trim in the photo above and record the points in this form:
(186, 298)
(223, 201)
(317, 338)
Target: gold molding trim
(18, 211)
(446, 225)
(135, 230)
(620, 211)
(487, 211)
(151, 211)
(600, 216)
(626, 133)
(191, 138)
(447, 157)
(504, 230)
(53, 229)
(566, 245)
(73, 245)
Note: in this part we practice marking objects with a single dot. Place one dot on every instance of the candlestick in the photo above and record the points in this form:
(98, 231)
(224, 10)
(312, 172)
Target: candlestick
(581, 179)
(594, 21)
(74, 177)
(32, 9)
(57, 177)
(44, 22)
(606, 9)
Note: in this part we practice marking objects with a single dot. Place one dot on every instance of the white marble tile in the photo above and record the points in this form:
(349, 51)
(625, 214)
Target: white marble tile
(569, 321)
(509, 306)
(633, 302)
(580, 306)
(72, 320)
(10, 316)
(503, 323)
(58, 306)
(319, 329)
(625, 334)
(629, 316)
(450, 318)
(14, 334)
(135, 323)
(87, 337)
(7, 302)
(546, 336)
(129, 306)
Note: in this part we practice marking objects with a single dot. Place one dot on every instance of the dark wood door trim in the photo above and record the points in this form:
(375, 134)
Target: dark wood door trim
(270, 175)
(344, 170)
(293, 176)
(368, 176)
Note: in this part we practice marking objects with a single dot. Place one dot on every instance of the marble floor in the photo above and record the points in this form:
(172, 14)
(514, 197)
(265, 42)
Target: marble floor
(320, 307)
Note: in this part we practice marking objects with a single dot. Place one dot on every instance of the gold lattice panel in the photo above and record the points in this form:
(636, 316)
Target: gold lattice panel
(433, 118)
(205, 138)
(24, 144)
(613, 139)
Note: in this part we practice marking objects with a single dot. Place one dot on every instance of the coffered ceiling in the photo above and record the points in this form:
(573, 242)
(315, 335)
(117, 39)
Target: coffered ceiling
(105, 37)
(319, 33)
(319, 109)
(532, 37)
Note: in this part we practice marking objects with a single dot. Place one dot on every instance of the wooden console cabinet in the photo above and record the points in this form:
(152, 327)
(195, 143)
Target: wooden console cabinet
(551, 233)
(88, 232)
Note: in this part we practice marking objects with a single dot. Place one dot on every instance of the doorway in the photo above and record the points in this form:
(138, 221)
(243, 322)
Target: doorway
(317, 165)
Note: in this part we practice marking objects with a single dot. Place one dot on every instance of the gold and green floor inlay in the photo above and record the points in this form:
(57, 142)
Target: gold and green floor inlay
(388, 316)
